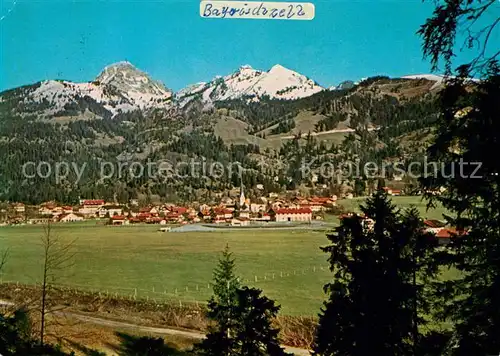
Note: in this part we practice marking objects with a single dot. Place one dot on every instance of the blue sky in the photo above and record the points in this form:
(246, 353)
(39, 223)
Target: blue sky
(75, 40)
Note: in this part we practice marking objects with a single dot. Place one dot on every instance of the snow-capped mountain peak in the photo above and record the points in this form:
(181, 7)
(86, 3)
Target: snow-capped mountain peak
(134, 84)
(120, 87)
(278, 83)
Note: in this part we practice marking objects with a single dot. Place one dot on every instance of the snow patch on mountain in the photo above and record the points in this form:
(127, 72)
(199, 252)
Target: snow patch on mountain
(438, 79)
(119, 88)
(277, 83)
(135, 85)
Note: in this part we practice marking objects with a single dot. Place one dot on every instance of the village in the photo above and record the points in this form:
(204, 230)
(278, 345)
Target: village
(239, 211)
(232, 212)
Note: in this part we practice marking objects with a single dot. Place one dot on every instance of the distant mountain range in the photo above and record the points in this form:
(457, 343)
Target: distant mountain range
(122, 88)
(267, 121)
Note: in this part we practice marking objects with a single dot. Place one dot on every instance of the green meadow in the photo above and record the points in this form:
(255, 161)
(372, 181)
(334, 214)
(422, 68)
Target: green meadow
(140, 261)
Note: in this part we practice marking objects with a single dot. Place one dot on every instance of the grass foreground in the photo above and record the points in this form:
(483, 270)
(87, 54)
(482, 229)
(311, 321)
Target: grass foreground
(140, 262)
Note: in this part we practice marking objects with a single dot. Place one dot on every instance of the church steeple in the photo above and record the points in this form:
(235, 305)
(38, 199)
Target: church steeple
(242, 196)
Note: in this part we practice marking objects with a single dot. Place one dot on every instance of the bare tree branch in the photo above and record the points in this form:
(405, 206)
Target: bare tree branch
(439, 33)
(57, 257)
(3, 259)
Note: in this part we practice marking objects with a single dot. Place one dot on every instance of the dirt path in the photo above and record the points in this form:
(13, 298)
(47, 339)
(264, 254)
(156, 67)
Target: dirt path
(326, 133)
(149, 329)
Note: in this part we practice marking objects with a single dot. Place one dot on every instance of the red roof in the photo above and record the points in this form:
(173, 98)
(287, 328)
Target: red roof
(178, 209)
(433, 223)
(93, 202)
(223, 211)
(294, 211)
(446, 233)
(118, 217)
(145, 210)
(321, 200)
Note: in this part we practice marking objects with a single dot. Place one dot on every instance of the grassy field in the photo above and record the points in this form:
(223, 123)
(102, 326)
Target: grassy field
(402, 202)
(125, 259)
(138, 260)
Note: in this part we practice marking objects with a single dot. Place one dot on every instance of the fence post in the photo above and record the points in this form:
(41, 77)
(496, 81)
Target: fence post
(255, 278)
(135, 293)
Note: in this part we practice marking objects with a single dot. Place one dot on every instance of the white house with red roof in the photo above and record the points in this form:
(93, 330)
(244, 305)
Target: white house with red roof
(91, 207)
(71, 217)
(391, 191)
(433, 226)
(445, 234)
(118, 220)
(300, 214)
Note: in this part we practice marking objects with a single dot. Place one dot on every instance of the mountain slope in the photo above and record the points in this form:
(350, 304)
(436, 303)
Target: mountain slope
(277, 83)
(134, 128)
(119, 88)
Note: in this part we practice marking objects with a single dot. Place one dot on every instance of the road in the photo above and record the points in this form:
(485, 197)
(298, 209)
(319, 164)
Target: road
(149, 329)
(327, 132)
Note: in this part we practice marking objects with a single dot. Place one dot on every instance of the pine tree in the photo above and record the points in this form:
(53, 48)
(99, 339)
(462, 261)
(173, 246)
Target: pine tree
(225, 281)
(375, 296)
(471, 301)
(255, 335)
(466, 139)
(241, 317)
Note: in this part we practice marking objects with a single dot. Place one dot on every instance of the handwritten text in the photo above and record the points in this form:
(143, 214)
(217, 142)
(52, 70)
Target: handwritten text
(257, 10)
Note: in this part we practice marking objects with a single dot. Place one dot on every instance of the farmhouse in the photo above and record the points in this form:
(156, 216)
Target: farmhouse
(393, 192)
(118, 220)
(433, 226)
(174, 217)
(301, 214)
(223, 214)
(91, 207)
(149, 210)
(444, 235)
(71, 217)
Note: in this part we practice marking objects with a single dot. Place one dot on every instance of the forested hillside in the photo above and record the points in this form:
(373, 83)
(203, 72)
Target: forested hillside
(381, 120)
